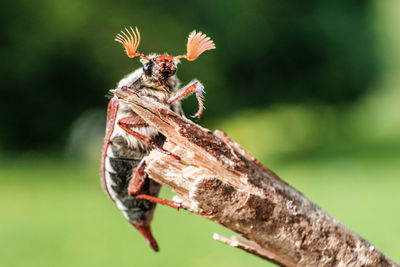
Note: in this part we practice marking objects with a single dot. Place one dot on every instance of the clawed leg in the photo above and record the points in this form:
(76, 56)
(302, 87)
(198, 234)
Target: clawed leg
(162, 201)
(138, 178)
(136, 183)
(173, 204)
(193, 87)
(136, 121)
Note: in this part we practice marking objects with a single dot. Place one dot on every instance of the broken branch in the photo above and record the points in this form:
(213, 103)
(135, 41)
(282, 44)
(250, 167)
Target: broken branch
(217, 176)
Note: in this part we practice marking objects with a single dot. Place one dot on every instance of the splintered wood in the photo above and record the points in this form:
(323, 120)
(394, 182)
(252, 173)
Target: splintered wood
(217, 176)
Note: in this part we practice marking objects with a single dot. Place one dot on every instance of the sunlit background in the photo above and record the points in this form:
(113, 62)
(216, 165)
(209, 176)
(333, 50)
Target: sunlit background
(311, 88)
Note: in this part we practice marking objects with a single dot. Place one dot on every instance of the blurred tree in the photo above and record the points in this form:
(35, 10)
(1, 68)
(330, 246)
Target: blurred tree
(58, 58)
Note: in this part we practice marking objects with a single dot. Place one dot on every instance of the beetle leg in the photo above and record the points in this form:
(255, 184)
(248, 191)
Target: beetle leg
(173, 204)
(136, 121)
(138, 178)
(193, 87)
(136, 182)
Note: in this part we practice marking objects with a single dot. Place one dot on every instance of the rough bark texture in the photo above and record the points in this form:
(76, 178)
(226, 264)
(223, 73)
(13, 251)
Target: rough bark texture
(217, 176)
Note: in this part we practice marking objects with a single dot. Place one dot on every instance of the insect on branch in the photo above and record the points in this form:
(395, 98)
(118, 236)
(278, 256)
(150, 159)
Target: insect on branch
(129, 139)
(216, 174)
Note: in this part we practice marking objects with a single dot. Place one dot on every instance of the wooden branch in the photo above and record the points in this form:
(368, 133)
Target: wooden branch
(252, 248)
(218, 177)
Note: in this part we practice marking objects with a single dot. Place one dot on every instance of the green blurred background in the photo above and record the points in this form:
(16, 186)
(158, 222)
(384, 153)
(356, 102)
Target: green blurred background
(310, 88)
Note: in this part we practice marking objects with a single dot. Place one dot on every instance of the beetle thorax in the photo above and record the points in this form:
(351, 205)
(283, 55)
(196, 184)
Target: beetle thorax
(159, 85)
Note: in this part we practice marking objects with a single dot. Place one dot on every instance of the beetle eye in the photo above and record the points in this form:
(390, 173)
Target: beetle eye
(147, 68)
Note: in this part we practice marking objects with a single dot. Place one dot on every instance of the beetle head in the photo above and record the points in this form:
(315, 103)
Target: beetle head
(163, 67)
(160, 67)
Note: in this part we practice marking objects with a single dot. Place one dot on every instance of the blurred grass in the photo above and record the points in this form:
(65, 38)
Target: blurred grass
(54, 213)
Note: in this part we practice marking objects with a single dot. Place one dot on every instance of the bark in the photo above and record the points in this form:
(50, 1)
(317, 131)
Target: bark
(216, 177)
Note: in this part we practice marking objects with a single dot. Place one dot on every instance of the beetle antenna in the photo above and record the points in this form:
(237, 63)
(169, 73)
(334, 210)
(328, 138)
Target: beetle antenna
(197, 43)
(131, 42)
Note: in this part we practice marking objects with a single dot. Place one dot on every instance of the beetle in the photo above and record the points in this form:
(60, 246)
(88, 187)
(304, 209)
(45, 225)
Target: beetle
(129, 139)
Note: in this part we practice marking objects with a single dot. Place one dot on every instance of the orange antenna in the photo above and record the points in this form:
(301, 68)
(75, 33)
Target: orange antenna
(196, 45)
(130, 41)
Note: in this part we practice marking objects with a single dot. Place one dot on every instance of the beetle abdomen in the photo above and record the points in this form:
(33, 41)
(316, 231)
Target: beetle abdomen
(120, 165)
